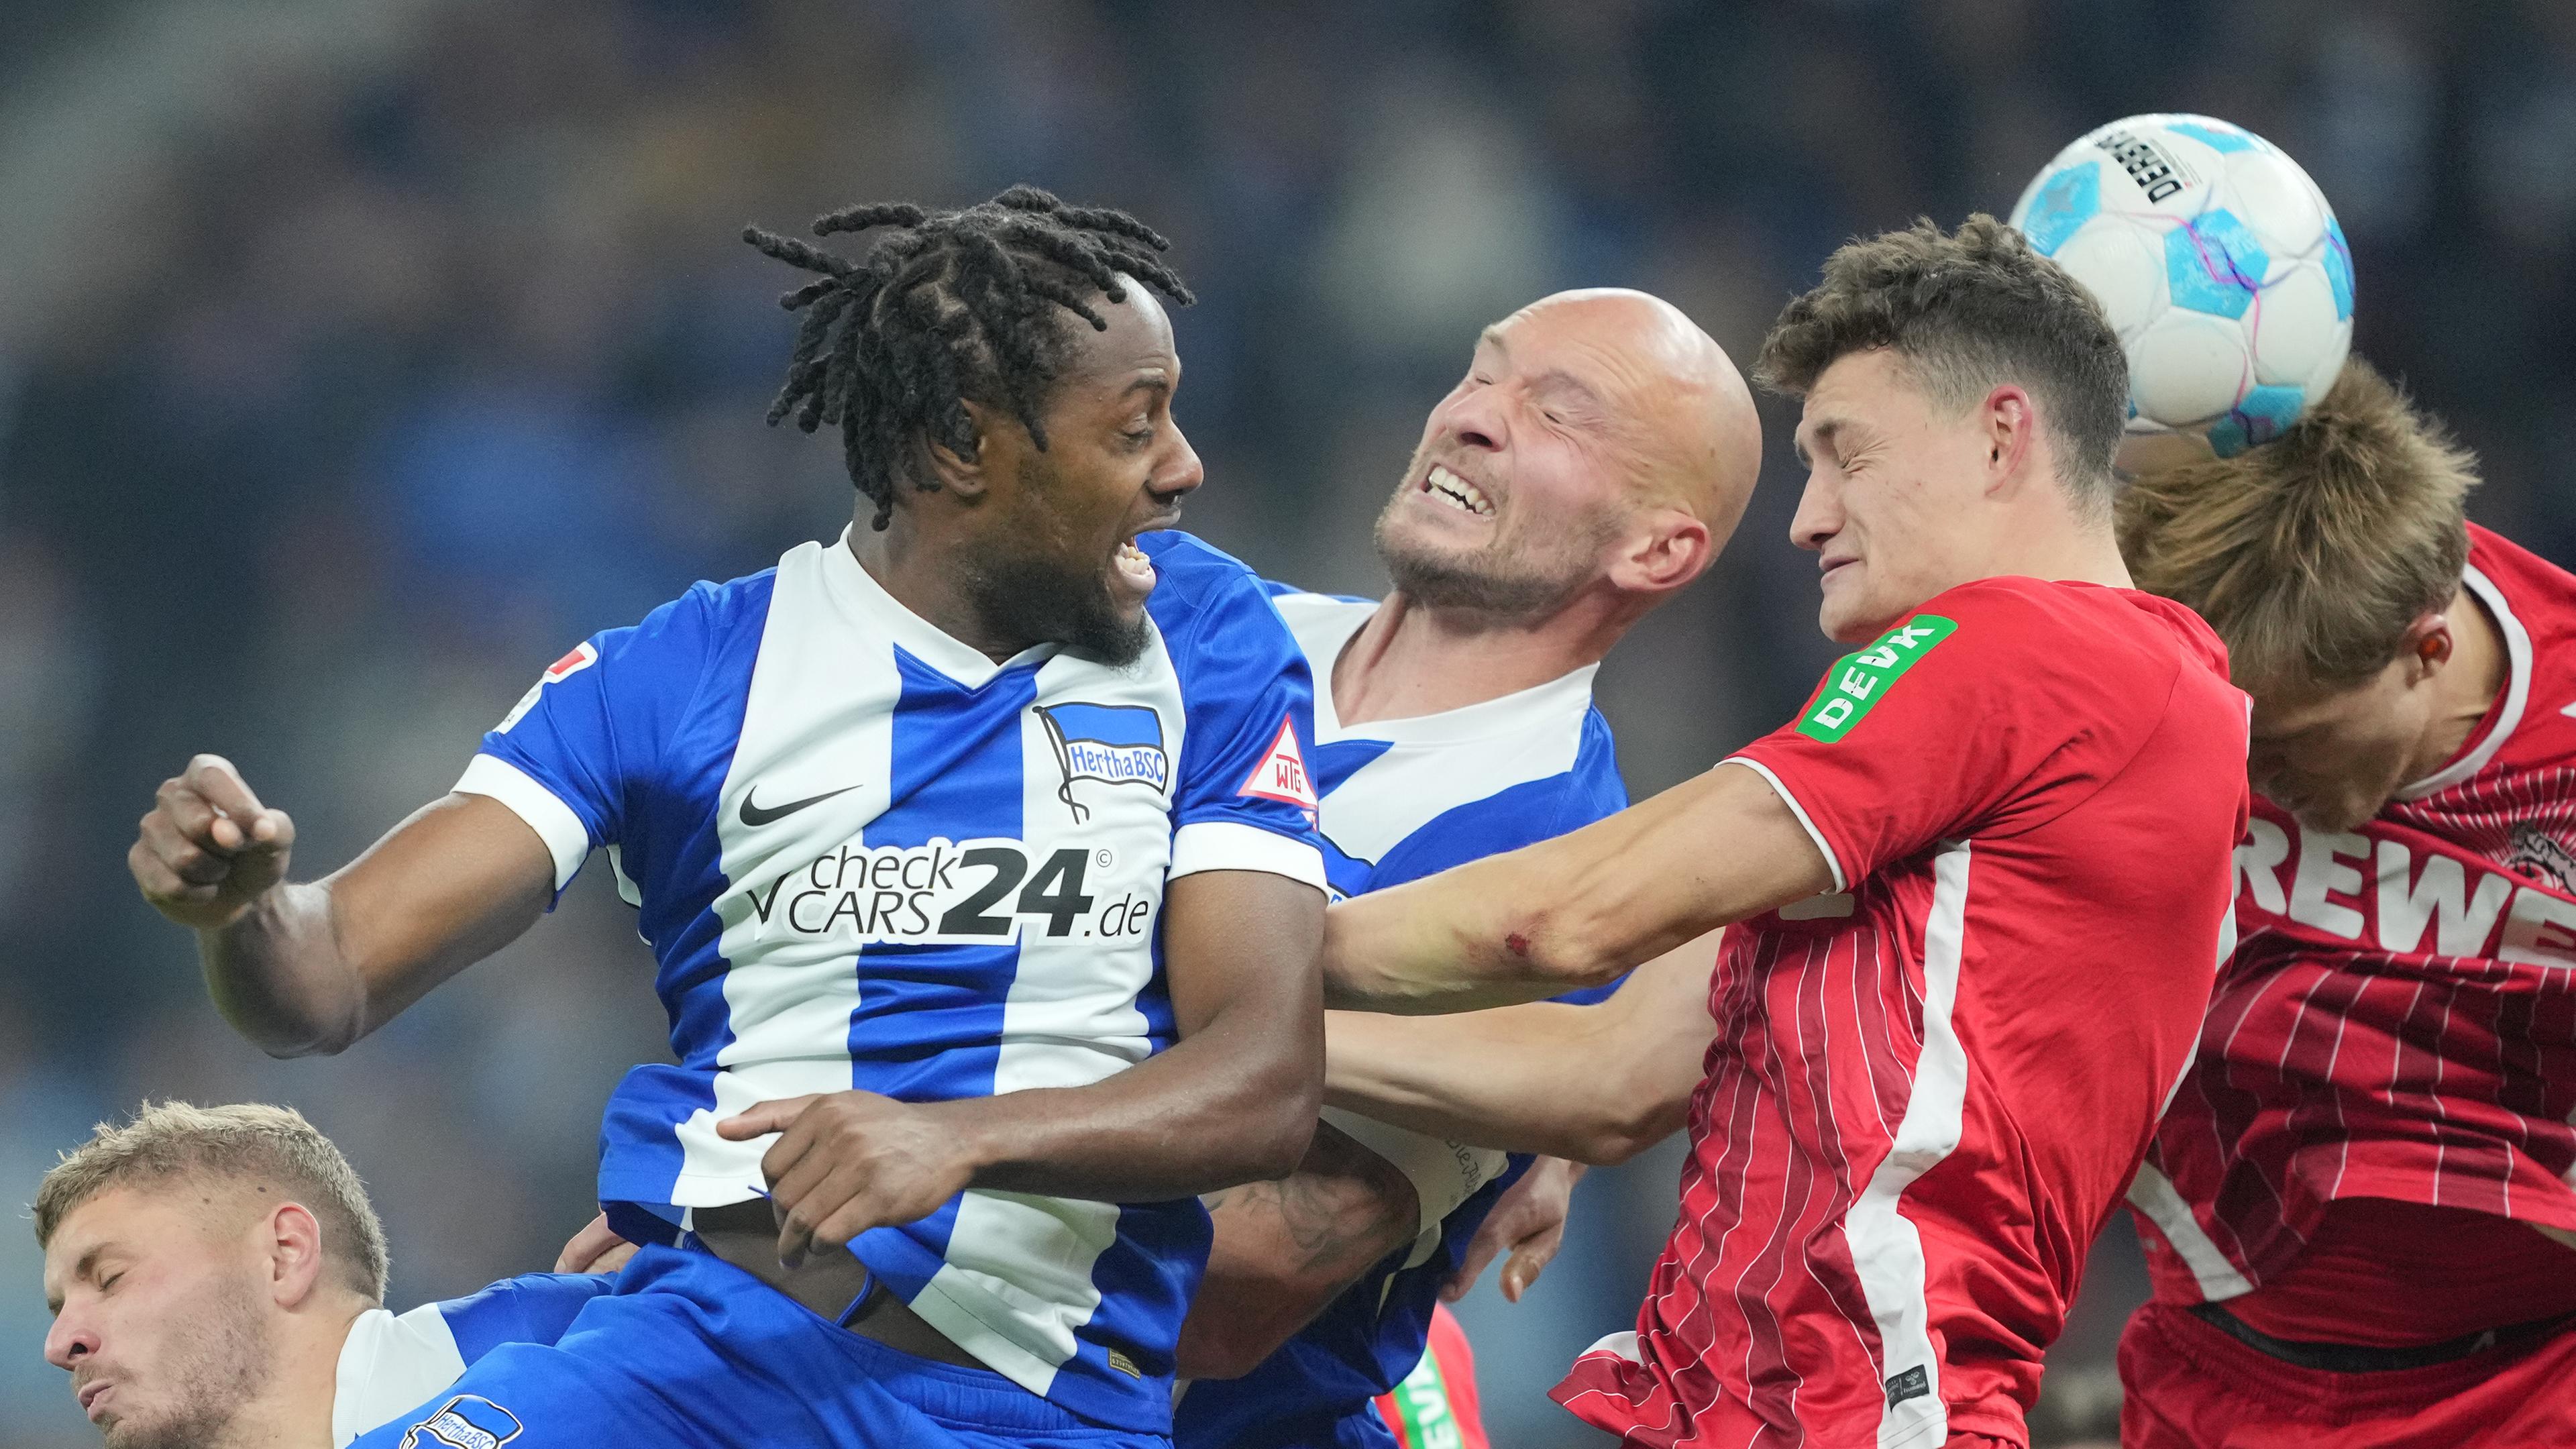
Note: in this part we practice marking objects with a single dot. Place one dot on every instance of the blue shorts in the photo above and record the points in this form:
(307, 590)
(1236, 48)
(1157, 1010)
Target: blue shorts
(690, 1352)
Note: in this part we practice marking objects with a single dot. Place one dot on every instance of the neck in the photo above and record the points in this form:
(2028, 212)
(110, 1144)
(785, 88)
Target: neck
(294, 1410)
(1410, 659)
(927, 574)
(2467, 686)
(2064, 549)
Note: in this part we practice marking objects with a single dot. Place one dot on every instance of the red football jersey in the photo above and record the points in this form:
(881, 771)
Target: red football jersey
(2399, 1023)
(1928, 1089)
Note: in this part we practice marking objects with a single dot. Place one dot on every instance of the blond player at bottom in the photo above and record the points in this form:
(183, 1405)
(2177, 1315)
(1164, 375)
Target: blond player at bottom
(2351, 1205)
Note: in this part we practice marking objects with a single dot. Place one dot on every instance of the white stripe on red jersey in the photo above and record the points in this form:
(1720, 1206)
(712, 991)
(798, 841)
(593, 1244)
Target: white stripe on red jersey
(1927, 1093)
(2400, 1020)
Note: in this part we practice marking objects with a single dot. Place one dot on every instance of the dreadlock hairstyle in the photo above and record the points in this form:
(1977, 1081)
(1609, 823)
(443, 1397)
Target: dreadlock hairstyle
(947, 306)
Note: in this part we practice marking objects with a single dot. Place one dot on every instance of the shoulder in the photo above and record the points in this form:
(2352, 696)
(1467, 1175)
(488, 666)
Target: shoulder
(531, 1308)
(1191, 567)
(2540, 594)
(1199, 588)
(2116, 638)
(696, 623)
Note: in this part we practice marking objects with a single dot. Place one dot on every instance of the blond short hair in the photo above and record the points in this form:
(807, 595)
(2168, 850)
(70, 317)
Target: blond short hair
(2312, 554)
(250, 1141)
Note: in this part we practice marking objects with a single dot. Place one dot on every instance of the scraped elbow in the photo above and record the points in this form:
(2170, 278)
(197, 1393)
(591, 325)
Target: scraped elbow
(1568, 950)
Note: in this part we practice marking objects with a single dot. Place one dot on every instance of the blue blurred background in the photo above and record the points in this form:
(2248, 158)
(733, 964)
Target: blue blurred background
(358, 356)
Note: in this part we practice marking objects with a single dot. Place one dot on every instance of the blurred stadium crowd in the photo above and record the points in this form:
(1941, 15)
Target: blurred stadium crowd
(356, 358)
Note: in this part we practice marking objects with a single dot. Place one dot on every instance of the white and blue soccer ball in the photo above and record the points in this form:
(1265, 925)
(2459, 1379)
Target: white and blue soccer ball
(2220, 265)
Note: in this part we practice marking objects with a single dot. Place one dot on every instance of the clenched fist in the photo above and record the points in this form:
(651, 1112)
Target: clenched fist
(208, 850)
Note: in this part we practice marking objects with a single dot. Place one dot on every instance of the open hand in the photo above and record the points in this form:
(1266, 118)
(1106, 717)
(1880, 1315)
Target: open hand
(1529, 1221)
(595, 1249)
(208, 850)
(848, 1162)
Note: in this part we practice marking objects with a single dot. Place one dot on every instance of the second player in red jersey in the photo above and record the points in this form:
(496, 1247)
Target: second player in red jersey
(2350, 1202)
(1928, 1090)
(1974, 894)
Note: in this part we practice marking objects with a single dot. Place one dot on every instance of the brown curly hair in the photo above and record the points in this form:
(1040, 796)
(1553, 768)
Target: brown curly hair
(1968, 311)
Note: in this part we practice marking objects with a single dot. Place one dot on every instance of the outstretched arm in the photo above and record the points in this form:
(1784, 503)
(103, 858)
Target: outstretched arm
(1579, 909)
(306, 968)
(1233, 1101)
(1595, 1084)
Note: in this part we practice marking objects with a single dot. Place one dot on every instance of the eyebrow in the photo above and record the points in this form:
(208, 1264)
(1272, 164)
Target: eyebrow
(81, 1270)
(1155, 381)
(1557, 379)
(1823, 432)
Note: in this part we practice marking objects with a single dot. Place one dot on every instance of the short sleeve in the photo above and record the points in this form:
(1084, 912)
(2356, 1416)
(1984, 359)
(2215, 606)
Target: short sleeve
(1243, 799)
(566, 756)
(1984, 712)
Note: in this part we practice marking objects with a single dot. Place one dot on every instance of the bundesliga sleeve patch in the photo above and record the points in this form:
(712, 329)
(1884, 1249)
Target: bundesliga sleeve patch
(583, 656)
(1856, 683)
(1281, 775)
(468, 1421)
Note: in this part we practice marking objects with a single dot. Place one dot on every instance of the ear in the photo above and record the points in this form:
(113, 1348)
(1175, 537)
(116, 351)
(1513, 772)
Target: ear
(2008, 425)
(291, 1238)
(2427, 647)
(1672, 549)
(971, 478)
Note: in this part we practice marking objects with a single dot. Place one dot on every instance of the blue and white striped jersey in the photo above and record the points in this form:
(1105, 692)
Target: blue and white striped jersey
(867, 856)
(1405, 798)
(393, 1363)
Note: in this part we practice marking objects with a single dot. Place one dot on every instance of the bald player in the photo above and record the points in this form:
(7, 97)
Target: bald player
(1590, 464)
(1974, 897)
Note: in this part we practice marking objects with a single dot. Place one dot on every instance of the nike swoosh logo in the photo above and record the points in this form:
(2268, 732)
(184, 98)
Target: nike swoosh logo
(755, 817)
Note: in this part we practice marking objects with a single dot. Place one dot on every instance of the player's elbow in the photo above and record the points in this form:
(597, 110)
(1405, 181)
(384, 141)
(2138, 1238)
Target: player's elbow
(1621, 1130)
(1569, 948)
(1639, 1098)
(1280, 1130)
(1274, 1118)
(285, 1033)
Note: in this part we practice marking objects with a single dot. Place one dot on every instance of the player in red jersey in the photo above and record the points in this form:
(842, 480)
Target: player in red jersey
(1975, 894)
(2341, 1205)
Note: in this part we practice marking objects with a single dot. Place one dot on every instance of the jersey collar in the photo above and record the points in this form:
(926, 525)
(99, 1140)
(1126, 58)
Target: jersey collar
(1323, 638)
(870, 609)
(2517, 692)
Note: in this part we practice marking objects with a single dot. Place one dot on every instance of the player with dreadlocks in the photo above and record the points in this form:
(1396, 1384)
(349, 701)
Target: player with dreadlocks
(975, 850)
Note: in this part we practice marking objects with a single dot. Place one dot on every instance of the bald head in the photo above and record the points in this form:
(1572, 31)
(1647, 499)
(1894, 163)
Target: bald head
(1600, 447)
(1688, 409)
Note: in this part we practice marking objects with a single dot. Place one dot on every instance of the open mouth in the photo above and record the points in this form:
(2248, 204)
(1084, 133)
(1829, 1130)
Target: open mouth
(1128, 563)
(1447, 487)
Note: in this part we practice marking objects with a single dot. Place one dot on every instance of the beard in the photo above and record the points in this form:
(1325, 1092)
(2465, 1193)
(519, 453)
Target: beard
(1034, 597)
(1031, 591)
(1508, 580)
(225, 1361)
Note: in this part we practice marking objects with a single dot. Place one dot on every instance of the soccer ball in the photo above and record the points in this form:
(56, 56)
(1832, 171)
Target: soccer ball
(2220, 266)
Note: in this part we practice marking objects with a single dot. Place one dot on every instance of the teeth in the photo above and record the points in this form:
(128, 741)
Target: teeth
(1458, 493)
